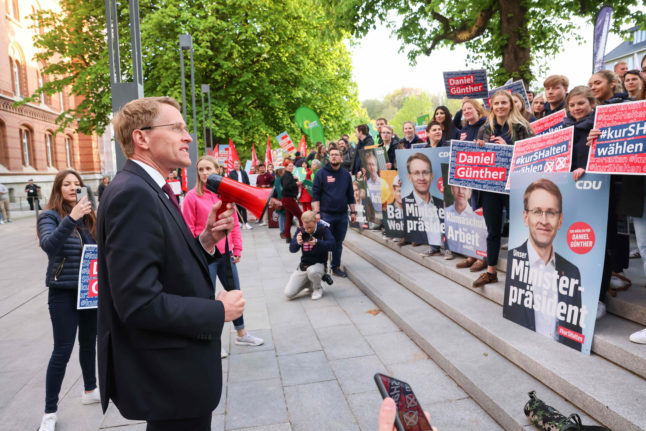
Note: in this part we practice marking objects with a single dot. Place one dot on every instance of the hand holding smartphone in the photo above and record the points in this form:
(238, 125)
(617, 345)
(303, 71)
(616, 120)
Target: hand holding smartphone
(81, 192)
(410, 416)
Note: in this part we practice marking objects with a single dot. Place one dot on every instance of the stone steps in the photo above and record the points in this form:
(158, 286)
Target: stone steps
(591, 384)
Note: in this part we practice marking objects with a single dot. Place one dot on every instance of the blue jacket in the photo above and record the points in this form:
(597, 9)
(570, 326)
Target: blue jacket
(581, 131)
(472, 129)
(63, 243)
(333, 189)
(319, 253)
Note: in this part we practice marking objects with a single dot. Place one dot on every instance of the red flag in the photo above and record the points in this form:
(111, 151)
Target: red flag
(184, 184)
(232, 156)
(302, 147)
(254, 158)
(268, 159)
(216, 152)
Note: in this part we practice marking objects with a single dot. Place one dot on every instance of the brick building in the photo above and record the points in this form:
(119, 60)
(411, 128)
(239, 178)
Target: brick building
(29, 148)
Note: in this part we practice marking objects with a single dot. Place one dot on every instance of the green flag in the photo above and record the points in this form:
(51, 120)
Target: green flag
(310, 124)
(423, 120)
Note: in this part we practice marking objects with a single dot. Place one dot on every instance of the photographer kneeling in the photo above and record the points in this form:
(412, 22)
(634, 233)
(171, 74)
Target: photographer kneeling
(316, 240)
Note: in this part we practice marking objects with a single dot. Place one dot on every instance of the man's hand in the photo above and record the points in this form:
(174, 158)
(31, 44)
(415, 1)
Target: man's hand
(577, 173)
(498, 140)
(299, 238)
(353, 218)
(216, 229)
(233, 304)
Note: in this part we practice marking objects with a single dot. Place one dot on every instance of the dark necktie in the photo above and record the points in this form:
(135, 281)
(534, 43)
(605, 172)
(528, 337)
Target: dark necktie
(171, 196)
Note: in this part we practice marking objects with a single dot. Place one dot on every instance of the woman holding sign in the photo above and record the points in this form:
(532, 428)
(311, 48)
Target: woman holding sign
(63, 228)
(579, 105)
(505, 125)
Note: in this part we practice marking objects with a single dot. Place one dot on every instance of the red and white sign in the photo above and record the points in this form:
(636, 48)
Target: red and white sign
(551, 123)
(286, 143)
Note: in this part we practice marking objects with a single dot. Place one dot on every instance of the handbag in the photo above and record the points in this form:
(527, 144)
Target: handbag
(547, 418)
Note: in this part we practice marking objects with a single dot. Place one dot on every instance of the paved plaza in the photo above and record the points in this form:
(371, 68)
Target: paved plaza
(314, 371)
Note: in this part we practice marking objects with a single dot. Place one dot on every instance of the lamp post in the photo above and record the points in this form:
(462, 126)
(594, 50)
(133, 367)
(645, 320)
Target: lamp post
(186, 43)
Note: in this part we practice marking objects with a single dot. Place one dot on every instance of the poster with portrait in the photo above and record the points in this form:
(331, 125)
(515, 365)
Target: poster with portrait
(557, 239)
(361, 203)
(621, 147)
(88, 287)
(466, 231)
(422, 190)
(373, 161)
(393, 213)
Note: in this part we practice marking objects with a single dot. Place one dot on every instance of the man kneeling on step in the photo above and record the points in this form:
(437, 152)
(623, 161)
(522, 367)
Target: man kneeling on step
(315, 240)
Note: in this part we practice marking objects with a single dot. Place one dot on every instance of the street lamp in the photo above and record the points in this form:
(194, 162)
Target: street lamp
(186, 43)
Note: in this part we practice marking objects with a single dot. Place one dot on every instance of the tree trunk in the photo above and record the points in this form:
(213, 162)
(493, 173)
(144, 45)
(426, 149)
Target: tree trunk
(516, 53)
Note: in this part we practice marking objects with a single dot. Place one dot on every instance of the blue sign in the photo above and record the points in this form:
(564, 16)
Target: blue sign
(556, 254)
(514, 87)
(88, 288)
(480, 167)
(466, 83)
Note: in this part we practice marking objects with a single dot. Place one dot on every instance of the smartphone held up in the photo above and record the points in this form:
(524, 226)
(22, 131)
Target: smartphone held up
(410, 415)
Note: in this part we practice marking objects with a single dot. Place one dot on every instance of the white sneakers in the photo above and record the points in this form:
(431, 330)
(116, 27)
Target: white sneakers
(639, 337)
(249, 340)
(247, 226)
(223, 353)
(92, 397)
(48, 423)
(317, 294)
(601, 310)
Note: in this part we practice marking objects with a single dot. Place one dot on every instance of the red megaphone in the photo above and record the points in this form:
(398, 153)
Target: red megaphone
(253, 199)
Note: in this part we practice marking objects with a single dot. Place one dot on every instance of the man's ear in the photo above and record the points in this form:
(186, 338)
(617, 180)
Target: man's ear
(140, 140)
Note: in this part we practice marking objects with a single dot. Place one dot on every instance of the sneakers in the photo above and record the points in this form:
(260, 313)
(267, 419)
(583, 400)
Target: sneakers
(639, 337)
(601, 310)
(249, 340)
(317, 294)
(337, 271)
(247, 226)
(262, 223)
(635, 254)
(478, 265)
(434, 252)
(223, 353)
(48, 423)
(92, 397)
(448, 255)
(485, 278)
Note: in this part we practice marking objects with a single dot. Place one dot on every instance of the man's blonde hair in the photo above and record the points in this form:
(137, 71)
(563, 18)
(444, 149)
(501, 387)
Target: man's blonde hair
(308, 216)
(135, 115)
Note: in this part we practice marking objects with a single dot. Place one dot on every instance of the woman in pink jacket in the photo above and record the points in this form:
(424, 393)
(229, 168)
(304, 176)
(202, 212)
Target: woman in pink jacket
(195, 208)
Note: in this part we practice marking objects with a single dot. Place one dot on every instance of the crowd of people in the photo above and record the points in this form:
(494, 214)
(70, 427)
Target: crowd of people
(163, 314)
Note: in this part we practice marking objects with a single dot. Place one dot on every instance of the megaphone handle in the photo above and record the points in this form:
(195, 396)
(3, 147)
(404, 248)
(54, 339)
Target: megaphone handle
(228, 270)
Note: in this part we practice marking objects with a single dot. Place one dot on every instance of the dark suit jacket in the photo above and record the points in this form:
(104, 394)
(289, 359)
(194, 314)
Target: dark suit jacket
(159, 326)
(234, 176)
(418, 236)
(525, 316)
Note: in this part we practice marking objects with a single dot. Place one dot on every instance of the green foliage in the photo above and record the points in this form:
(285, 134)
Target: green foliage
(262, 59)
(510, 38)
(413, 107)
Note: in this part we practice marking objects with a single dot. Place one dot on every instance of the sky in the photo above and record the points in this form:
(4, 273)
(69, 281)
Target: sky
(378, 48)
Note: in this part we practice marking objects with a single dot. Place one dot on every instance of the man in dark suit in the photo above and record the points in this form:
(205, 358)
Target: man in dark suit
(543, 289)
(238, 174)
(422, 220)
(159, 323)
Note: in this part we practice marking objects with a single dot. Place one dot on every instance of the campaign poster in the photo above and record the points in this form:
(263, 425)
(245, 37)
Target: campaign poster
(421, 132)
(478, 167)
(373, 161)
(361, 204)
(286, 143)
(549, 124)
(422, 190)
(557, 240)
(621, 147)
(466, 83)
(88, 288)
(423, 120)
(466, 231)
(512, 87)
(393, 213)
(551, 152)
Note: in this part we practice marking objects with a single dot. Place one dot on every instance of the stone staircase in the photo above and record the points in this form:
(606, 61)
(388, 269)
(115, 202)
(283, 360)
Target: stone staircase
(494, 360)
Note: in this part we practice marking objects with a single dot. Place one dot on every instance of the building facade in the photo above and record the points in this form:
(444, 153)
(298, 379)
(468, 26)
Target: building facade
(630, 51)
(30, 147)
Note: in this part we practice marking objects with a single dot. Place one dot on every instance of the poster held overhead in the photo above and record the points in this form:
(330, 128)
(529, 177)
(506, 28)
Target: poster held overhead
(466, 83)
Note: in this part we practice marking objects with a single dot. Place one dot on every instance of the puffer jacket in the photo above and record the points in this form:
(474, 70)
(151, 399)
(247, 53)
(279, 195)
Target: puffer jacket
(580, 148)
(63, 243)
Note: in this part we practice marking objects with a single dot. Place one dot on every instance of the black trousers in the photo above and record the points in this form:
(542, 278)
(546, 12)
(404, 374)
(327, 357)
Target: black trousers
(243, 213)
(492, 208)
(203, 423)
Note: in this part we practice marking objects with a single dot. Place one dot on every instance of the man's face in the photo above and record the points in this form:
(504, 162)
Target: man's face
(355, 188)
(372, 167)
(621, 69)
(435, 134)
(168, 145)
(31, 182)
(420, 176)
(386, 134)
(542, 228)
(341, 144)
(380, 124)
(461, 194)
(335, 158)
(409, 131)
(398, 194)
(289, 167)
(310, 226)
(261, 169)
(358, 134)
(555, 94)
(236, 165)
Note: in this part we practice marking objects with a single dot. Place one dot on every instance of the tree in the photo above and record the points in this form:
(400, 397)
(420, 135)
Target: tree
(262, 59)
(508, 37)
(413, 107)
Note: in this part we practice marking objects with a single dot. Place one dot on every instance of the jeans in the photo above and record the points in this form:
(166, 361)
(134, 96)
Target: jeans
(493, 205)
(339, 227)
(299, 280)
(218, 270)
(65, 319)
(281, 221)
(640, 233)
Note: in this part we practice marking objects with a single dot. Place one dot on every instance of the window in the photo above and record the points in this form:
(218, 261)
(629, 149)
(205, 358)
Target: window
(639, 36)
(68, 151)
(61, 100)
(16, 77)
(18, 70)
(48, 141)
(24, 141)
